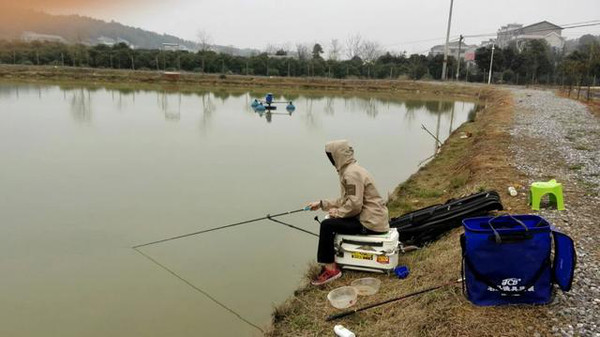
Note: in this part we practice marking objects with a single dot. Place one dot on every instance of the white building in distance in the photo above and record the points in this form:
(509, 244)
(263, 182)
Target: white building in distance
(452, 49)
(519, 35)
(33, 36)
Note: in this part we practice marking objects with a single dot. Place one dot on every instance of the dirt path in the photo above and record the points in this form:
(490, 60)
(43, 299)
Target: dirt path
(555, 137)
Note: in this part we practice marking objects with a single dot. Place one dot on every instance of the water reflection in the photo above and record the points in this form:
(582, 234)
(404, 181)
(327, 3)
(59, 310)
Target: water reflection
(172, 103)
(171, 112)
(81, 106)
(329, 109)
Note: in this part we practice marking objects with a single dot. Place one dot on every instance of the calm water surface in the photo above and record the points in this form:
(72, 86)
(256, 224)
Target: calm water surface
(85, 174)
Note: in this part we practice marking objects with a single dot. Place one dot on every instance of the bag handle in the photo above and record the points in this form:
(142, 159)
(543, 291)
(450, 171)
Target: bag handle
(496, 234)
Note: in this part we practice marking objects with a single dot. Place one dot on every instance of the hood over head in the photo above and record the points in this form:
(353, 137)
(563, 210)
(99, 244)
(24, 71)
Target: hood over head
(340, 153)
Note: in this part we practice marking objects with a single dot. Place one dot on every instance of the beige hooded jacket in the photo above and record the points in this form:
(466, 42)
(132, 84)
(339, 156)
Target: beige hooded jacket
(359, 195)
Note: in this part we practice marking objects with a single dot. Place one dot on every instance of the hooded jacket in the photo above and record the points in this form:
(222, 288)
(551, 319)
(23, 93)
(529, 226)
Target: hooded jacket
(359, 197)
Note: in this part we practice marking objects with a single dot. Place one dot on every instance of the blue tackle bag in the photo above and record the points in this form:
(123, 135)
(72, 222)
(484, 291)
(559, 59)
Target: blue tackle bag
(508, 260)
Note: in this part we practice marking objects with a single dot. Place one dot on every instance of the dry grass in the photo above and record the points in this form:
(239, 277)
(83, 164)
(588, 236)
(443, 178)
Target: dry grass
(191, 82)
(462, 167)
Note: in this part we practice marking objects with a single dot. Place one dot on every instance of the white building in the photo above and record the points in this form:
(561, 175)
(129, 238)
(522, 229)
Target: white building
(452, 49)
(106, 41)
(32, 36)
(519, 35)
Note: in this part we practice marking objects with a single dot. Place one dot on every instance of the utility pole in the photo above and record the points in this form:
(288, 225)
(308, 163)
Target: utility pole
(458, 58)
(444, 67)
(491, 64)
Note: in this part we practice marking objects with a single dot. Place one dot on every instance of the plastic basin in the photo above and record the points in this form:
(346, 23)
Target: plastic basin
(343, 297)
(366, 286)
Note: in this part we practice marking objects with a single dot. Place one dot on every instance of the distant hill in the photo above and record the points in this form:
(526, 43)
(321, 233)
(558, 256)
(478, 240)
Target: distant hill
(29, 24)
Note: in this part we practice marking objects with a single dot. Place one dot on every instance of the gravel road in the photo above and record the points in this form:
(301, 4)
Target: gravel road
(559, 138)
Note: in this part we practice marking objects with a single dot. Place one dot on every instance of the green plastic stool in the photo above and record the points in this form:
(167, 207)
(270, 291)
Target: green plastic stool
(541, 188)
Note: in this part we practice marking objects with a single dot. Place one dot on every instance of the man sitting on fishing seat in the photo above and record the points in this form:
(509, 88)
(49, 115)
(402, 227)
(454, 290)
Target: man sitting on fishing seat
(359, 210)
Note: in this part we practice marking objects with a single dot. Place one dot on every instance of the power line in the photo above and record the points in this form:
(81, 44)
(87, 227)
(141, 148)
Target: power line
(418, 41)
(535, 30)
(455, 37)
(579, 23)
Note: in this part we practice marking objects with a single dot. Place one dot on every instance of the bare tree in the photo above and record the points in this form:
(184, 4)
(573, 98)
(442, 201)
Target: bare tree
(204, 44)
(286, 48)
(353, 45)
(204, 40)
(335, 49)
(302, 50)
(271, 49)
(369, 53)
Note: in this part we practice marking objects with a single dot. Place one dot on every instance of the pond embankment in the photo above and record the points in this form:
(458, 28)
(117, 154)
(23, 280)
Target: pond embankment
(518, 137)
(184, 81)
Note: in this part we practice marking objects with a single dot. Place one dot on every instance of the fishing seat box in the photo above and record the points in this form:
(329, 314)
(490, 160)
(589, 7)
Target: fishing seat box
(372, 253)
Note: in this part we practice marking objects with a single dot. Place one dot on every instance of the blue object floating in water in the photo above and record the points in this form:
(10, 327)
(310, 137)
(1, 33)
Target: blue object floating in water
(401, 271)
(269, 98)
(255, 103)
(290, 107)
(260, 107)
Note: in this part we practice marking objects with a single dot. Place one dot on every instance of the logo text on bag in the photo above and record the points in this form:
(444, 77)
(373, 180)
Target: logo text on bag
(511, 284)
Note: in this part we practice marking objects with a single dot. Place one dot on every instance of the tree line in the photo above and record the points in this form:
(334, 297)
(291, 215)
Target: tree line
(535, 62)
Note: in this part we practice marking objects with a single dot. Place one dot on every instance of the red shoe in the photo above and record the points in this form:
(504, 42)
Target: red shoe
(327, 276)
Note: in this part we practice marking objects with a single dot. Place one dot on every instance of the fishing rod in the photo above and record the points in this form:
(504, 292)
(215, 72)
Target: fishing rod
(352, 312)
(267, 217)
(436, 138)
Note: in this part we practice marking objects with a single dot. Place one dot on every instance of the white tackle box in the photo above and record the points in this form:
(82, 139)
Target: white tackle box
(374, 253)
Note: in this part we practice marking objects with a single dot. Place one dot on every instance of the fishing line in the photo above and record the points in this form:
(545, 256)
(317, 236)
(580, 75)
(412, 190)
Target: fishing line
(268, 217)
(200, 291)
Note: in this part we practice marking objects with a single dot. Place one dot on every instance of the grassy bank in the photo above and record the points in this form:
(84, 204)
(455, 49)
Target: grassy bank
(190, 82)
(463, 166)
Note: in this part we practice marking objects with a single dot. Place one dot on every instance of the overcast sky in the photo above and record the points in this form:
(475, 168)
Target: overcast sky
(395, 24)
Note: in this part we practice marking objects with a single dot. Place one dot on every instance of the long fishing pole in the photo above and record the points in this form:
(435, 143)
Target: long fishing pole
(352, 312)
(431, 134)
(267, 217)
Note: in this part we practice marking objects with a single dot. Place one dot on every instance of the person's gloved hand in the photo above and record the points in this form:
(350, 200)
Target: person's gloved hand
(315, 205)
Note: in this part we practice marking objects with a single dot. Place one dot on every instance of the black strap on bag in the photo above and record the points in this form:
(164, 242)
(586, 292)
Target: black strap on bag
(512, 237)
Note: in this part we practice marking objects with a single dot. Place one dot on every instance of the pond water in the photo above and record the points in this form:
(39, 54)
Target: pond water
(88, 173)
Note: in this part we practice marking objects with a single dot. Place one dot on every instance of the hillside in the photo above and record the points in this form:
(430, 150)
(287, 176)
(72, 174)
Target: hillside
(14, 23)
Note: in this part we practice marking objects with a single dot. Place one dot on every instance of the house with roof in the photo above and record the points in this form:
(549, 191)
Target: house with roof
(519, 35)
(452, 49)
